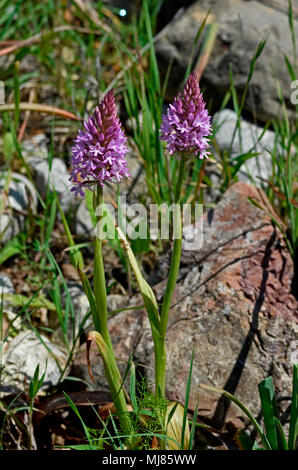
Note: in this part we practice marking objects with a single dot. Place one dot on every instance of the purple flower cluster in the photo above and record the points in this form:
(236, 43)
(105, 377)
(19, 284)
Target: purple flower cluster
(186, 125)
(99, 152)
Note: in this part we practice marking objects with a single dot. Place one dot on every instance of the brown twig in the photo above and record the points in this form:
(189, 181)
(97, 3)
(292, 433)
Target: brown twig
(38, 37)
(278, 193)
(41, 108)
(27, 115)
(207, 50)
(9, 42)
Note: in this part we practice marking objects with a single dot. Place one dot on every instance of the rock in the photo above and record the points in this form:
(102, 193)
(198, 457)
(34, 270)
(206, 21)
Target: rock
(80, 305)
(241, 27)
(9, 317)
(133, 188)
(6, 286)
(36, 147)
(12, 219)
(258, 166)
(116, 301)
(22, 355)
(76, 297)
(58, 177)
(36, 154)
(232, 305)
(83, 226)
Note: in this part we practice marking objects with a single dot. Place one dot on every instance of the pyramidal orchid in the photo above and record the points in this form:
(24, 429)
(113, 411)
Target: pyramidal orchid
(99, 156)
(186, 126)
(99, 151)
(185, 129)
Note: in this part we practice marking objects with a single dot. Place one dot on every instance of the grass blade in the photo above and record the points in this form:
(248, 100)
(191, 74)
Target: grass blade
(293, 432)
(132, 387)
(269, 409)
(74, 408)
(146, 291)
(187, 395)
(245, 410)
(193, 428)
(281, 438)
(15, 246)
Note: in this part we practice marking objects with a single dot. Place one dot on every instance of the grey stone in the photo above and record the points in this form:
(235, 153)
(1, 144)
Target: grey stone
(259, 166)
(83, 225)
(36, 147)
(241, 27)
(58, 178)
(116, 301)
(20, 358)
(80, 306)
(16, 204)
(9, 310)
(134, 187)
(6, 286)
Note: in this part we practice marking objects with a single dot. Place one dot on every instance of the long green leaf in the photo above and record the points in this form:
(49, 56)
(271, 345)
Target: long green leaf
(146, 291)
(281, 438)
(293, 432)
(244, 441)
(15, 246)
(245, 410)
(187, 395)
(154, 66)
(91, 297)
(19, 300)
(269, 409)
(74, 408)
(193, 428)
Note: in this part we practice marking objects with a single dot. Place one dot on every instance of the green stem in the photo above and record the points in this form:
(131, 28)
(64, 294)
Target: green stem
(160, 362)
(180, 179)
(99, 275)
(114, 380)
(110, 365)
(160, 367)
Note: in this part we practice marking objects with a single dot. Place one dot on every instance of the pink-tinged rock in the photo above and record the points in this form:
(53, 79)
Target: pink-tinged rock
(232, 306)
